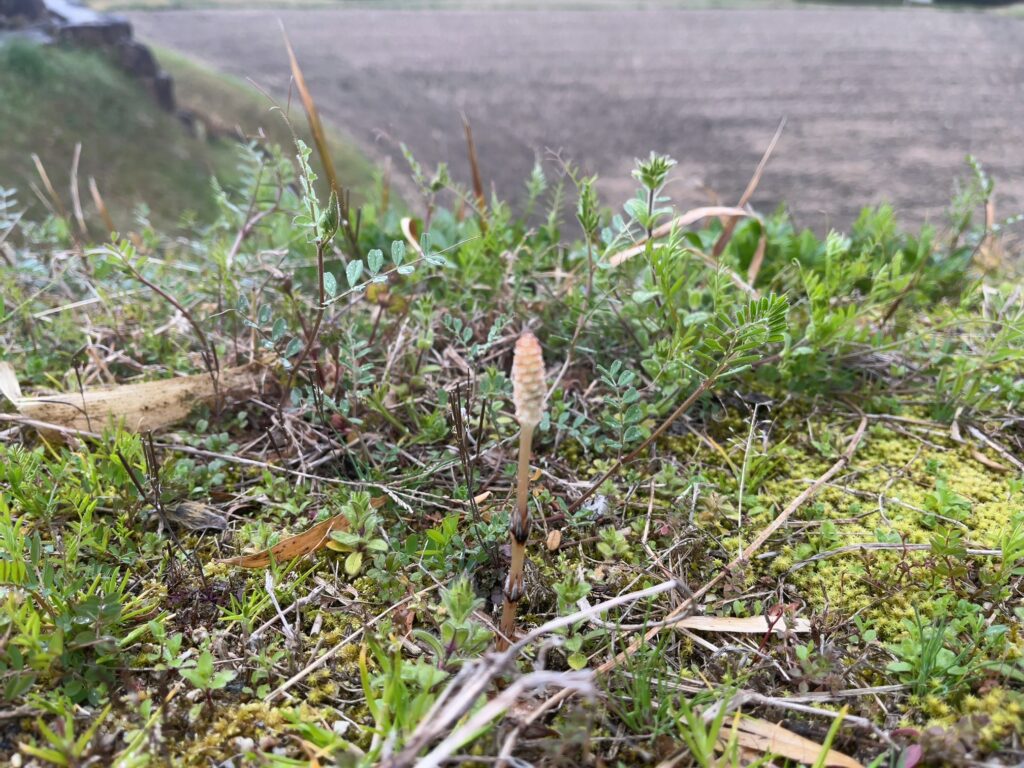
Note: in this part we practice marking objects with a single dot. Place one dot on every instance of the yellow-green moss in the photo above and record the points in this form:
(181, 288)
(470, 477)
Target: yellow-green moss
(905, 471)
(1003, 713)
(253, 720)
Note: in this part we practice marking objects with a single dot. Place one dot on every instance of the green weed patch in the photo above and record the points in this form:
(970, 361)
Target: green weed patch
(811, 443)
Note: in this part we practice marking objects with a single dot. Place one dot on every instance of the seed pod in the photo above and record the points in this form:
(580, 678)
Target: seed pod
(528, 380)
(330, 218)
(554, 540)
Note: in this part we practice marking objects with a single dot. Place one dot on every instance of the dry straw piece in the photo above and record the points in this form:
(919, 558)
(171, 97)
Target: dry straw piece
(528, 392)
(147, 406)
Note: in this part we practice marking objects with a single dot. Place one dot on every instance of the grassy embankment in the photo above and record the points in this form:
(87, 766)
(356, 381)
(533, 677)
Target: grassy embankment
(137, 153)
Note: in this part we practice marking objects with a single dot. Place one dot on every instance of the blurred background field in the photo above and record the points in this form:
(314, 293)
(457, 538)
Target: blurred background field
(881, 104)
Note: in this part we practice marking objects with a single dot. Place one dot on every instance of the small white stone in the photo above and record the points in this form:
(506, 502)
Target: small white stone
(245, 744)
(340, 727)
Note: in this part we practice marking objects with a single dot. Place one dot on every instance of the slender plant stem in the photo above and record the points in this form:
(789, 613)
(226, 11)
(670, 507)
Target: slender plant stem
(519, 531)
(315, 330)
(590, 269)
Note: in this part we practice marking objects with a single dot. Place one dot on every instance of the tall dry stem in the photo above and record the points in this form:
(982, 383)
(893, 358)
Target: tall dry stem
(528, 395)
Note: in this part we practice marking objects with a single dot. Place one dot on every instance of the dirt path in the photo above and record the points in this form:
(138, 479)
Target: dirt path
(881, 104)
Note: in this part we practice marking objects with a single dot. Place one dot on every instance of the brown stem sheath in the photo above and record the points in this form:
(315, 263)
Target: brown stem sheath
(519, 531)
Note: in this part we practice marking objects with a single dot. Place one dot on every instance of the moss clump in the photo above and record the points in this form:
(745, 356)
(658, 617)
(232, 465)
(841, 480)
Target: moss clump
(253, 720)
(997, 714)
(899, 489)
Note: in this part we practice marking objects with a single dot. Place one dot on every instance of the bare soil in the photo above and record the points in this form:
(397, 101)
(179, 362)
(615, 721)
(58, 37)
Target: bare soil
(881, 104)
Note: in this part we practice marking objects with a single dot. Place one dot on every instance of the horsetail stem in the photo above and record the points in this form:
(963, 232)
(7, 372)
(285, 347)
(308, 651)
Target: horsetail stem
(528, 395)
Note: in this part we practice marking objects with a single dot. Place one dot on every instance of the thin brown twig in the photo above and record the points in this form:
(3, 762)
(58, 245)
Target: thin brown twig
(207, 350)
(48, 185)
(101, 206)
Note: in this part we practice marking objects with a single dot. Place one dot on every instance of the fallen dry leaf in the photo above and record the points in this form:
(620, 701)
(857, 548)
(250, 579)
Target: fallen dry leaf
(301, 544)
(196, 516)
(984, 460)
(295, 546)
(770, 738)
(142, 407)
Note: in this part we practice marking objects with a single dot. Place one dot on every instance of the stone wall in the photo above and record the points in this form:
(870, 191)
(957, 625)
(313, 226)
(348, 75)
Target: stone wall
(17, 12)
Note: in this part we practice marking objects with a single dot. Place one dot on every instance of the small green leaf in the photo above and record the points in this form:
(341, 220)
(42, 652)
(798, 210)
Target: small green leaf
(280, 328)
(330, 284)
(632, 434)
(346, 539)
(353, 271)
(293, 348)
(577, 661)
(353, 563)
(735, 371)
(375, 260)
(397, 252)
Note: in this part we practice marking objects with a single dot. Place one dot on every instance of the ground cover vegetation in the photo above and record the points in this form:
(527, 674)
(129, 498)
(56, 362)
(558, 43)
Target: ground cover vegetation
(772, 486)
